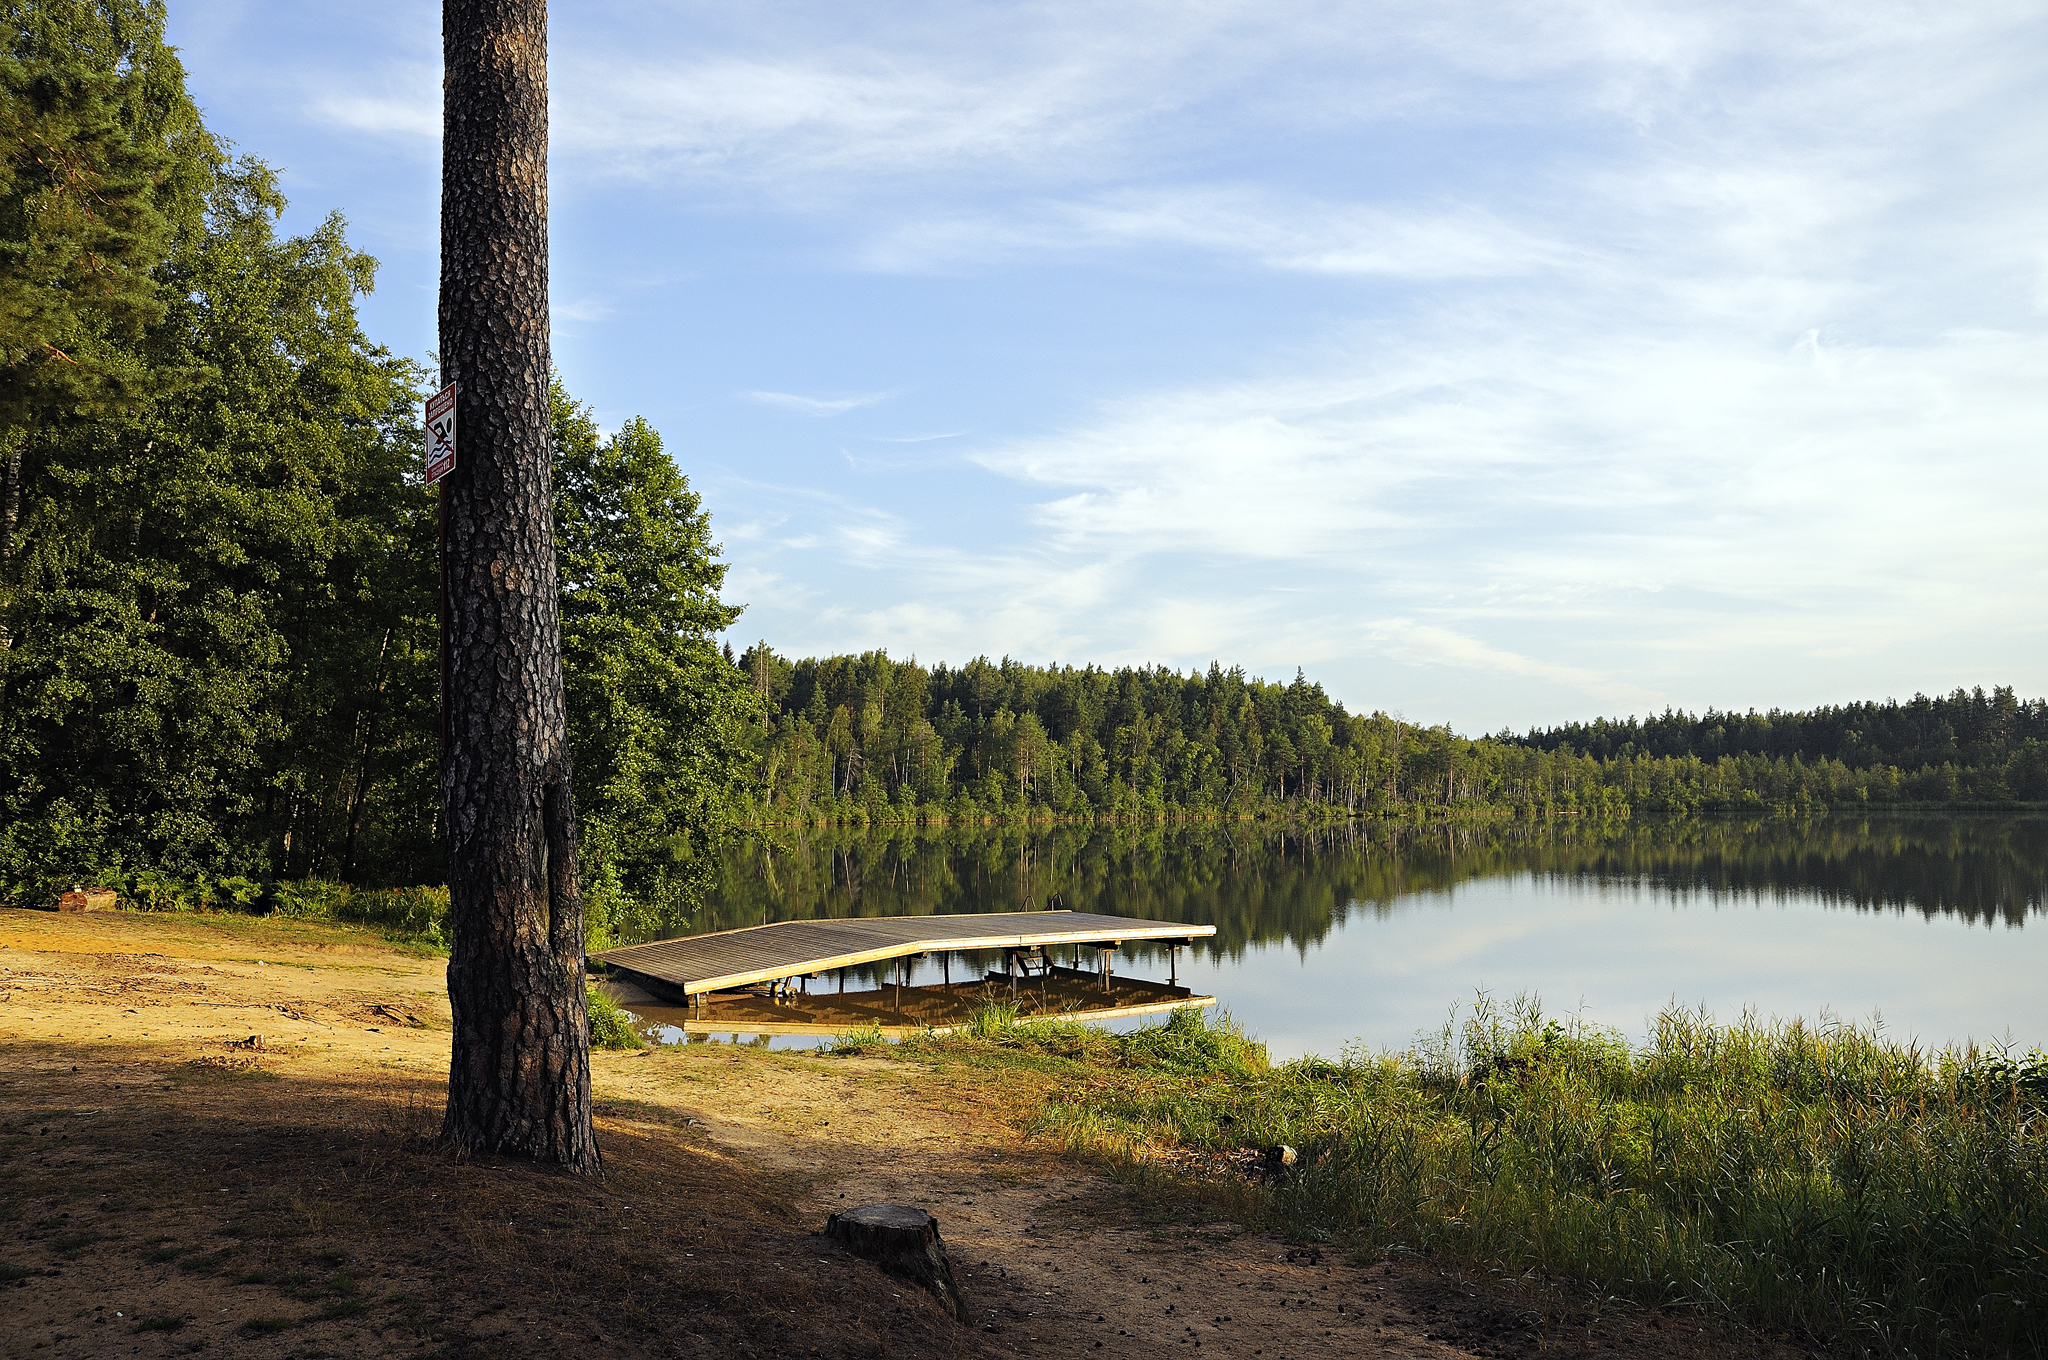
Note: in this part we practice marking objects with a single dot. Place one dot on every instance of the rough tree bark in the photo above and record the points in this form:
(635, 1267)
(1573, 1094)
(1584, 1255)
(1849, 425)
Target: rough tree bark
(519, 1079)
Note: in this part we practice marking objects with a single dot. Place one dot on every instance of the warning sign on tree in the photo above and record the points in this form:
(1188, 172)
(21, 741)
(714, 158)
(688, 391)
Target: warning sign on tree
(441, 433)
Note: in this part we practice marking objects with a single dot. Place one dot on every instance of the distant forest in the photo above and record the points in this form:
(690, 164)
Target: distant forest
(1969, 729)
(867, 738)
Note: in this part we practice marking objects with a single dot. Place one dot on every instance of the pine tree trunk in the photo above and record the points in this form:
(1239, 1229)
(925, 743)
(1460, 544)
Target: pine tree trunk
(519, 1079)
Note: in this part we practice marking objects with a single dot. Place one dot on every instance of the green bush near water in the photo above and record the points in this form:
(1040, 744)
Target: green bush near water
(1874, 1198)
(611, 1025)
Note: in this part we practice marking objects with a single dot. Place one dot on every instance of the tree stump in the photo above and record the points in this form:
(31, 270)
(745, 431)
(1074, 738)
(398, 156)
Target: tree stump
(905, 1242)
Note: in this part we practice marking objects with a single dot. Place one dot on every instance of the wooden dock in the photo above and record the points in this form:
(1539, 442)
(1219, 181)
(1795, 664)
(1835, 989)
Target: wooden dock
(693, 966)
(1060, 993)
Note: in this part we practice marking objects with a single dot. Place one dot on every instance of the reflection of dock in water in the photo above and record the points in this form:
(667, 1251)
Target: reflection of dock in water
(760, 980)
(1066, 994)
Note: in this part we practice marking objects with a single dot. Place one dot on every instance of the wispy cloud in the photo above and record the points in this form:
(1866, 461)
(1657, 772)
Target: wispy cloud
(817, 406)
(1416, 241)
(400, 100)
(579, 309)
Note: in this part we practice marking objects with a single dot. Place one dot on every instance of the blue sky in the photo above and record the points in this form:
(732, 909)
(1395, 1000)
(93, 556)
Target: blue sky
(1496, 363)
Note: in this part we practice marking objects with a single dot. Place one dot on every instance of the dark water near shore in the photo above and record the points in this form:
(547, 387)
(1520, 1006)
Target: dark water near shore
(1932, 926)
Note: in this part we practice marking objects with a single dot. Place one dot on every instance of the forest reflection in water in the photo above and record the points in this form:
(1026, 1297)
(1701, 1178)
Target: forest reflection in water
(1369, 931)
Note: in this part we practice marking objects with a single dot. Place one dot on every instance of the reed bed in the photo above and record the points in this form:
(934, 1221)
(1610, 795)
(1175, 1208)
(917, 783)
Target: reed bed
(1868, 1196)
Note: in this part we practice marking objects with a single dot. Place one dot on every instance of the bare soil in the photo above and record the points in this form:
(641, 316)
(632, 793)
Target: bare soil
(216, 1134)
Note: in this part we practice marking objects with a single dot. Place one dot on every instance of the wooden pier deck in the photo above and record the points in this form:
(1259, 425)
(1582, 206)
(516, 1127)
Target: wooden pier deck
(1062, 993)
(695, 965)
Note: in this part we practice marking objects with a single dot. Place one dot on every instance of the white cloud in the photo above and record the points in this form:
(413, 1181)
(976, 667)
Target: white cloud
(1416, 242)
(817, 406)
(579, 309)
(400, 100)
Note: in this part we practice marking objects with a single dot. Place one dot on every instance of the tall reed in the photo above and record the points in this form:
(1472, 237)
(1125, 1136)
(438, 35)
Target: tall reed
(1869, 1195)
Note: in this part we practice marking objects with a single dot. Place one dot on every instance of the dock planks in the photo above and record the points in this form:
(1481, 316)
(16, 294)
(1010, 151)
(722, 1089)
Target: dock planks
(726, 959)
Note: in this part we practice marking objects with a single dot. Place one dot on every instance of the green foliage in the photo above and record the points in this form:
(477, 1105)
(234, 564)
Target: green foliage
(413, 915)
(1191, 1043)
(658, 718)
(1865, 1194)
(611, 1025)
(864, 739)
(218, 599)
(854, 1042)
(195, 581)
(992, 1020)
(1967, 728)
(103, 166)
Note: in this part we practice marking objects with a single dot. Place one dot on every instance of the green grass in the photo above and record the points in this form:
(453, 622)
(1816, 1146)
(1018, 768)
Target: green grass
(611, 1025)
(854, 1042)
(1871, 1197)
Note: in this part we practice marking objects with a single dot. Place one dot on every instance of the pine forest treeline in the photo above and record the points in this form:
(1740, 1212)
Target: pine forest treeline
(866, 738)
(1969, 729)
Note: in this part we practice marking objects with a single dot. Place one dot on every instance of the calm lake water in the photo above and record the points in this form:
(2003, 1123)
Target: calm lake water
(1933, 927)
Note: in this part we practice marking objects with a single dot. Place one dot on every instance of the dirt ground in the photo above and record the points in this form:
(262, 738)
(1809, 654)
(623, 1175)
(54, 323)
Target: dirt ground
(217, 1136)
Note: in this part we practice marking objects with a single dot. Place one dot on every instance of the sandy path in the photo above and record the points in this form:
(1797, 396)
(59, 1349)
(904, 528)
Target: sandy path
(1048, 1259)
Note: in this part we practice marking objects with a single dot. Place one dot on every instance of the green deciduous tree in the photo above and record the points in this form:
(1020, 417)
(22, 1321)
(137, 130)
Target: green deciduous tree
(659, 718)
(189, 593)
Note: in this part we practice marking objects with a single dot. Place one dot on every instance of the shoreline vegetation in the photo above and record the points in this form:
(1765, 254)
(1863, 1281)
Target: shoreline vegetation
(1825, 1183)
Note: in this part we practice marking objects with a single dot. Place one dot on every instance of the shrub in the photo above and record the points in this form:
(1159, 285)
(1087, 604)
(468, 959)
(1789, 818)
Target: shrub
(419, 914)
(611, 1025)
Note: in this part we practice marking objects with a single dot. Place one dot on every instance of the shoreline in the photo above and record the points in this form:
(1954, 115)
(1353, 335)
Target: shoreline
(239, 1117)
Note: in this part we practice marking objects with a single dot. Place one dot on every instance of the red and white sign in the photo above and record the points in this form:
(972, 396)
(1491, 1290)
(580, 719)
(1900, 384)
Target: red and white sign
(441, 433)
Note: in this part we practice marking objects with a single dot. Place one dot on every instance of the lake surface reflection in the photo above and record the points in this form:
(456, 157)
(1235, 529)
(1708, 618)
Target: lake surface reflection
(1370, 934)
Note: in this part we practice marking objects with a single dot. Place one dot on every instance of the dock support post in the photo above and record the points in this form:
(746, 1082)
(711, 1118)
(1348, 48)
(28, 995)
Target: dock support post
(1173, 965)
